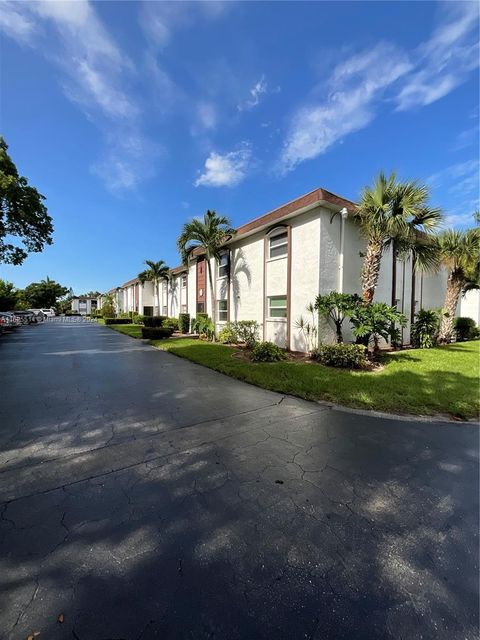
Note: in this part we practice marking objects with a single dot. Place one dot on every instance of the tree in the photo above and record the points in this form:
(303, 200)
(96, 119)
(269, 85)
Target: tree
(396, 214)
(8, 296)
(336, 307)
(156, 272)
(22, 213)
(374, 321)
(44, 294)
(108, 306)
(458, 252)
(208, 234)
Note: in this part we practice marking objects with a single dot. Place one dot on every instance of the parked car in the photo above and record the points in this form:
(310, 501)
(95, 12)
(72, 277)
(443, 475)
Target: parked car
(49, 312)
(38, 314)
(9, 320)
(26, 317)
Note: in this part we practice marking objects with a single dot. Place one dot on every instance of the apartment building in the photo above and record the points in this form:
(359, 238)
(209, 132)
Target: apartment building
(279, 262)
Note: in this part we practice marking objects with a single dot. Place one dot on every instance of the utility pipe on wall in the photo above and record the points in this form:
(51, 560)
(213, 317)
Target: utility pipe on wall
(344, 215)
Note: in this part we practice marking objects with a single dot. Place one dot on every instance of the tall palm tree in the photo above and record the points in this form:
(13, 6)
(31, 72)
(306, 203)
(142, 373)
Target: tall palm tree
(156, 272)
(395, 214)
(459, 253)
(209, 234)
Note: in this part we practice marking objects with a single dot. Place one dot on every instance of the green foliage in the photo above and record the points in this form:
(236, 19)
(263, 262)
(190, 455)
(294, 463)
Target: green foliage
(228, 334)
(466, 329)
(425, 328)
(248, 332)
(335, 307)
(171, 323)
(154, 321)
(156, 333)
(124, 314)
(184, 322)
(118, 321)
(43, 294)
(108, 306)
(22, 213)
(8, 296)
(204, 326)
(345, 356)
(267, 352)
(374, 321)
(308, 328)
(208, 234)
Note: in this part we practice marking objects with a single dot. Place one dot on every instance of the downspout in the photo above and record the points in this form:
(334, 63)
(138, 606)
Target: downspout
(344, 215)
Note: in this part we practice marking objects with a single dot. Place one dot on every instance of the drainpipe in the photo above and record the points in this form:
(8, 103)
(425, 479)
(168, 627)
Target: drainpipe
(344, 215)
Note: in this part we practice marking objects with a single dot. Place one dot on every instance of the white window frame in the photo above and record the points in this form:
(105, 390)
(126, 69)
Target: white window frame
(280, 231)
(184, 281)
(223, 257)
(221, 318)
(269, 308)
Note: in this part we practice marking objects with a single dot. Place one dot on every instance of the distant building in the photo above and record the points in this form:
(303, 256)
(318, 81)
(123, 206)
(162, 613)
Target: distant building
(84, 305)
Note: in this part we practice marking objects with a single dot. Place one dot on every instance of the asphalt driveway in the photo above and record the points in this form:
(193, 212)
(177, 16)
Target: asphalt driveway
(143, 496)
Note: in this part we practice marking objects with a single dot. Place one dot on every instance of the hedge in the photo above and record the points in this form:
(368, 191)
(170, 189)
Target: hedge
(118, 321)
(347, 356)
(156, 333)
(184, 322)
(154, 321)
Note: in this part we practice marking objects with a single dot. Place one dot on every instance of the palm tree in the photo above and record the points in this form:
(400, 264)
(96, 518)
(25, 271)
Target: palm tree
(156, 272)
(395, 214)
(209, 234)
(459, 254)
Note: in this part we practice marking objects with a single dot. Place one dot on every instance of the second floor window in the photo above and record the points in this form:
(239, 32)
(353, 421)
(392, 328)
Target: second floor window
(278, 245)
(184, 281)
(222, 311)
(223, 266)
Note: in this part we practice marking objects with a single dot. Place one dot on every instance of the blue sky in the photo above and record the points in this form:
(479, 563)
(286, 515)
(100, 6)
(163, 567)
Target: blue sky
(133, 117)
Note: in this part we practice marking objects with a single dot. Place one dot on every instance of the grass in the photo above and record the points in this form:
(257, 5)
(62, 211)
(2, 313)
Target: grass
(132, 330)
(443, 380)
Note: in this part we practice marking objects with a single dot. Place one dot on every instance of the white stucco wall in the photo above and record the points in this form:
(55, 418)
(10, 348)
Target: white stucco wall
(469, 306)
(246, 289)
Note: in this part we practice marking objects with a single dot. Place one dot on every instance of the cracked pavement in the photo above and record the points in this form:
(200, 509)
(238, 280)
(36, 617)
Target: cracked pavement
(143, 496)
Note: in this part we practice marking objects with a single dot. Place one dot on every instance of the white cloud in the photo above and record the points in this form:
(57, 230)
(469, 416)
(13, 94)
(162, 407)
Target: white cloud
(458, 187)
(256, 92)
(225, 170)
(445, 60)
(355, 87)
(96, 77)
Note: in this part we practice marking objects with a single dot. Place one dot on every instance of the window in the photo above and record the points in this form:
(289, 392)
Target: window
(277, 307)
(223, 266)
(278, 244)
(165, 311)
(222, 311)
(184, 308)
(184, 281)
(200, 307)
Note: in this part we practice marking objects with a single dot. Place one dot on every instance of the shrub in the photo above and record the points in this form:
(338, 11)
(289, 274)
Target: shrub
(171, 323)
(374, 321)
(118, 321)
(154, 321)
(466, 329)
(184, 322)
(335, 307)
(247, 332)
(125, 314)
(156, 333)
(425, 328)
(267, 352)
(137, 318)
(228, 334)
(347, 356)
(203, 326)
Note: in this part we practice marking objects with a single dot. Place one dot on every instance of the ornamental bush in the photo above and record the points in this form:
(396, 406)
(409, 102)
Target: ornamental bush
(425, 328)
(466, 329)
(247, 332)
(228, 334)
(184, 322)
(267, 352)
(118, 321)
(346, 356)
(154, 321)
(171, 323)
(156, 333)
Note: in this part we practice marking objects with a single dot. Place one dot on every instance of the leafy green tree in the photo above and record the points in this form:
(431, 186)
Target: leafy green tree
(44, 294)
(156, 272)
(392, 213)
(8, 296)
(374, 321)
(335, 307)
(108, 306)
(425, 328)
(22, 213)
(459, 253)
(208, 234)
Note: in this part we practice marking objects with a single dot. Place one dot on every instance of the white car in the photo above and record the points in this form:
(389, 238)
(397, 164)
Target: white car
(48, 312)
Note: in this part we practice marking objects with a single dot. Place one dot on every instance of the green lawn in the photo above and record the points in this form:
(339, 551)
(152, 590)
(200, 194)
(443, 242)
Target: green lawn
(443, 380)
(132, 330)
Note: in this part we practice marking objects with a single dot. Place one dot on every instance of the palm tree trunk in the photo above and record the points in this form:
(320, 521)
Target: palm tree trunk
(212, 293)
(454, 289)
(371, 269)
